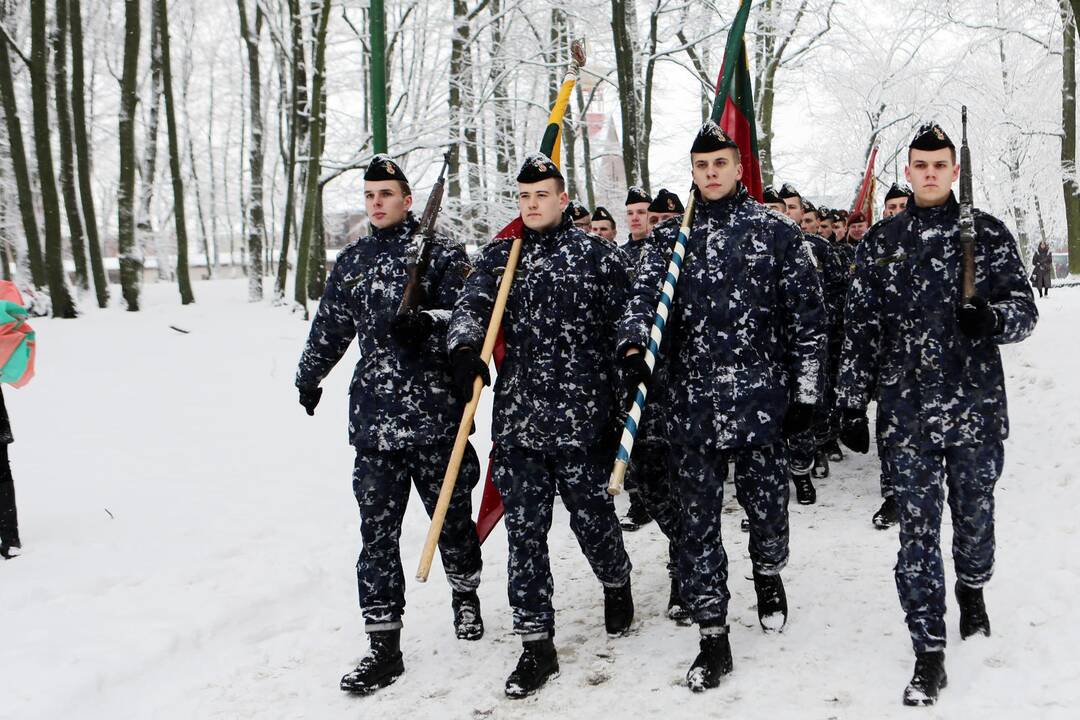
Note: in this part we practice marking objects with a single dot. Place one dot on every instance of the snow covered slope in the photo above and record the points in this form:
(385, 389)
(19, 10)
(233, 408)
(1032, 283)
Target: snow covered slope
(190, 539)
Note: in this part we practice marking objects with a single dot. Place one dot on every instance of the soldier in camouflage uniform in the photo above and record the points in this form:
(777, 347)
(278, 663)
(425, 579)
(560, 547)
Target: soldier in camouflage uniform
(664, 206)
(637, 218)
(747, 335)
(896, 199)
(603, 224)
(402, 414)
(805, 454)
(580, 215)
(940, 390)
(556, 405)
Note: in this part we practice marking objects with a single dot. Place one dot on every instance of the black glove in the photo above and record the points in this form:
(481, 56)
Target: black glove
(799, 418)
(309, 398)
(634, 370)
(855, 430)
(411, 329)
(465, 365)
(978, 319)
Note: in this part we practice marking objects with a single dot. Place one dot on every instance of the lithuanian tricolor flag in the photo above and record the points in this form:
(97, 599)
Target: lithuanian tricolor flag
(733, 109)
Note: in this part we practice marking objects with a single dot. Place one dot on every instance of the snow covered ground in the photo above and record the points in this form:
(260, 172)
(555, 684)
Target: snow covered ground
(190, 539)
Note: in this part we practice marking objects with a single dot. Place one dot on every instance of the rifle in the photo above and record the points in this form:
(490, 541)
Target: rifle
(967, 219)
(412, 297)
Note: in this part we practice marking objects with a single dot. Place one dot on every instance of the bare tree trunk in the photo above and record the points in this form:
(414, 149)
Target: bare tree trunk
(504, 118)
(256, 218)
(586, 149)
(67, 153)
(298, 67)
(650, 70)
(18, 162)
(182, 276)
(82, 153)
(194, 165)
(62, 305)
(311, 189)
(459, 34)
(1069, 185)
(130, 258)
(317, 260)
(629, 104)
(145, 227)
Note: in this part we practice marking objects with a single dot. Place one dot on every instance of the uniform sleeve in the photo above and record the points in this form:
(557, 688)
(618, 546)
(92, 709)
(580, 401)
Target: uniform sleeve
(1010, 291)
(803, 306)
(862, 332)
(617, 273)
(472, 309)
(444, 283)
(332, 330)
(636, 321)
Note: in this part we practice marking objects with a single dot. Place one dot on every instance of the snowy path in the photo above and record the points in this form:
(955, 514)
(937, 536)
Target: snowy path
(190, 539)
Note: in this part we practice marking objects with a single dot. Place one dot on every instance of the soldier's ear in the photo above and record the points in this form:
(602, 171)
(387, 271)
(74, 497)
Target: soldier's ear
(408, 203)
(955, 172)
(738, 171)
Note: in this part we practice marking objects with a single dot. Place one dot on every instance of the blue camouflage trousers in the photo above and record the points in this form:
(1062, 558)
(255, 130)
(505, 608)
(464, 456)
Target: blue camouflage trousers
(528, 480)
(802, 446)
(761, 487)
(888, 469)
(381, 482)
(970, 473)
(650, 469)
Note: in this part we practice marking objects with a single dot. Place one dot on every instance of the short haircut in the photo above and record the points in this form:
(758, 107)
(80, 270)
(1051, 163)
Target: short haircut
(406, 191)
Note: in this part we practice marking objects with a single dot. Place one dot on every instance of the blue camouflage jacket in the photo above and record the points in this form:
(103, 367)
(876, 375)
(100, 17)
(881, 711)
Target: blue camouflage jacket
(399, 396)
(935, 387)
(557, 386)
(748, 326)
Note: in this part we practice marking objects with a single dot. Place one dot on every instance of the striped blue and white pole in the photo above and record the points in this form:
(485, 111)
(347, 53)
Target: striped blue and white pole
(656, 335)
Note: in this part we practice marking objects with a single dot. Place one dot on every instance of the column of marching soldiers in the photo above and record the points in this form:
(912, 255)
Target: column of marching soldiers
(787, 321)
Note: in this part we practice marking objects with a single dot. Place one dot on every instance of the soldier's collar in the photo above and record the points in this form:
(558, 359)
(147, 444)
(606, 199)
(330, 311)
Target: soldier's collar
(724, 203)
(405, 229)
(949, 207)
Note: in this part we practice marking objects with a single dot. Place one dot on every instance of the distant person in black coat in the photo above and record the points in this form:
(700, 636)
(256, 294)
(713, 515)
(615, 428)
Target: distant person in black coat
(9, 519)
(1043, 263)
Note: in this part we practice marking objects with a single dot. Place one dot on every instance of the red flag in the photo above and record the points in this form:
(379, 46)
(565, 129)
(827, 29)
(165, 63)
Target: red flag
(864, 199)
(491, 507)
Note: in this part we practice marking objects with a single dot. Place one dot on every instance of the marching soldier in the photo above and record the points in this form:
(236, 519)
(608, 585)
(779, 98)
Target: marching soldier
(402, 414)
(804, 455)
(665, 205)
(637, 216)
(895, 200)
(747, 338)
(580, 215)
(603, 224)
(934, 361)
(556, 404)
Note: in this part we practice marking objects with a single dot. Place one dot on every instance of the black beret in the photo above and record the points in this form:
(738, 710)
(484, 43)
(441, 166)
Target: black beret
(601, 213)
(787, 190)
(808, 206)
(666, 202)
(824, 212)
(577, 210)
(711, 138)
(769, 196)
(637, 195)
(382, 167)
(931, 137)
(896, 192)
(537, 167)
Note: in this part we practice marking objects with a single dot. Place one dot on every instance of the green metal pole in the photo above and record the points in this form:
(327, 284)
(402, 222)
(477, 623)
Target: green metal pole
(377, 25)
